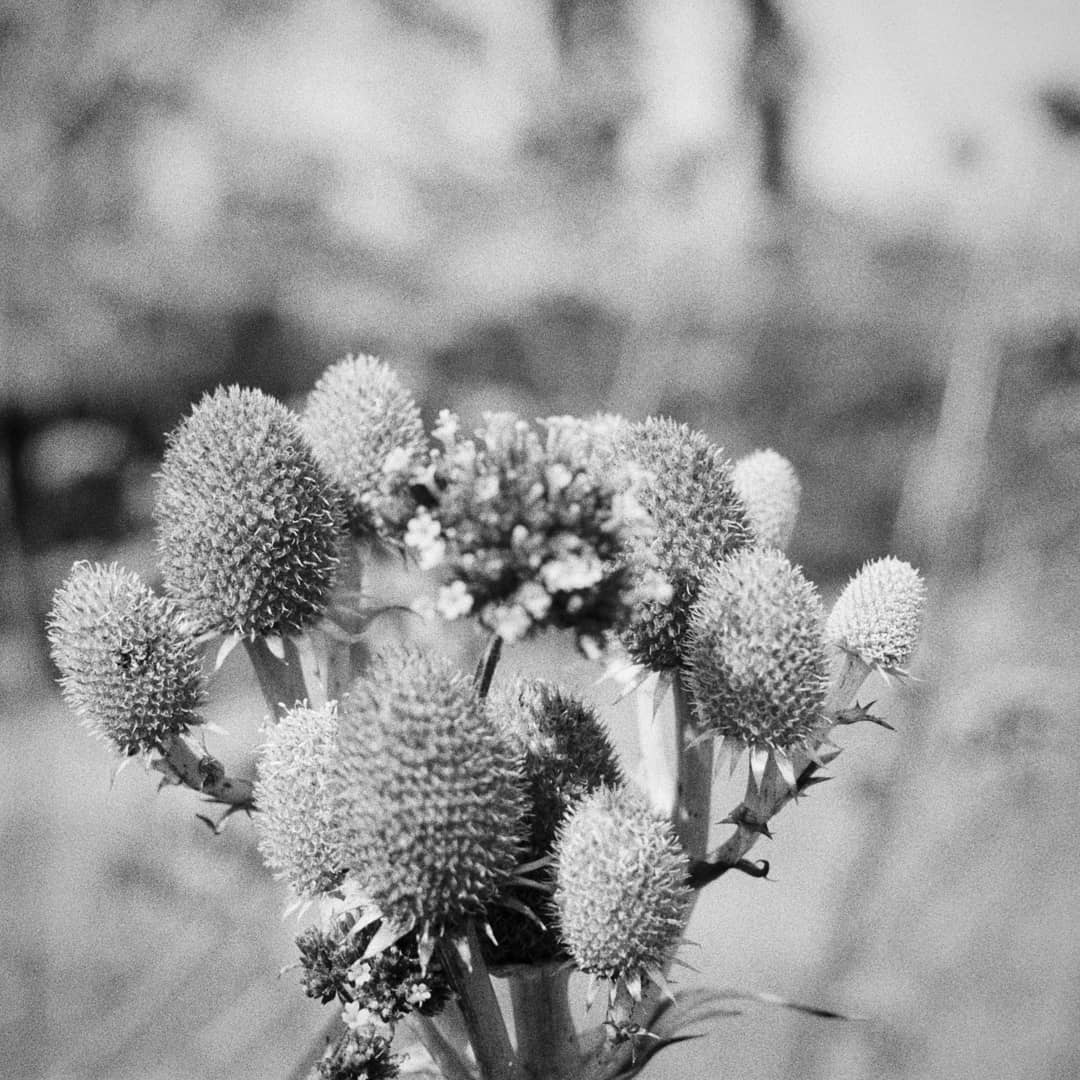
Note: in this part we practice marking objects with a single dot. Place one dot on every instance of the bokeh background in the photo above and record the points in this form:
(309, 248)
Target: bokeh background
(842, 229)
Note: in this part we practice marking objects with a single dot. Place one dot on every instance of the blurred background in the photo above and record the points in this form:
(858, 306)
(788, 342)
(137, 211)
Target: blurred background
(848, 231)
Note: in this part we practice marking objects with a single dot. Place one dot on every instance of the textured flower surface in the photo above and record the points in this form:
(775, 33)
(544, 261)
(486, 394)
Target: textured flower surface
(699, 520)
(247, 524)
(769, 489)
(430, 792)
(879, 613)
(367, 434)
(756, 665)
(127, 667)
(298, 826)
(621, 892)
(530, 522)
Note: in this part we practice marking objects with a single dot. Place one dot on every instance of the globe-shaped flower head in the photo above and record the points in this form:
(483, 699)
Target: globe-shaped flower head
(430, 792)
(367, 434)
(247, 524)
(699, 520)
(756, 664)
(769, 488)
(621, 890)
(297, 823)
(127, 667)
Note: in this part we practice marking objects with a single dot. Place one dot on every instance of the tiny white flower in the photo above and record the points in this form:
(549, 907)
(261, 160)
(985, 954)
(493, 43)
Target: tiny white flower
(510, 621)
(422, 535)
(454, 600)
(418, 994)
(446, 426)
(558, 477)
(357, 1019)
(572, 572)
(397, 461)
(535, 599)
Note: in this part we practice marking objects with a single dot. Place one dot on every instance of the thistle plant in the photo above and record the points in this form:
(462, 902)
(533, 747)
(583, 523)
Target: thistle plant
(440, 832)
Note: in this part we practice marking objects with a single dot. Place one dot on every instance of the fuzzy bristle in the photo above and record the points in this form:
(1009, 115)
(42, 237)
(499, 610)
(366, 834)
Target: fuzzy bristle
(127, 667)
(878, 615)
(621, 892)
(247, 523)
(757, 665)
(769, 488)
(430, 792)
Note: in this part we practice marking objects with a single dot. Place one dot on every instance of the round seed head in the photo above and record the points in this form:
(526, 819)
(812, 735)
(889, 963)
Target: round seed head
(621, 892)
(756, 665)
(699, 519)
(879, 613)
(766, 483)
(298, 827)
(126, 665)
(247, 524)
(366, 432)
(430, 792)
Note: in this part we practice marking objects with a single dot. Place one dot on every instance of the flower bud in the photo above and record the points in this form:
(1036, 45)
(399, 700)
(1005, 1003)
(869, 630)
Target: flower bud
(766, 483)
(878, 615)
(756, 665)
(247, 526)
(430, 793)
(621, 892)
(127, 668)
(699, 520)
(366, 432)
(298, 827)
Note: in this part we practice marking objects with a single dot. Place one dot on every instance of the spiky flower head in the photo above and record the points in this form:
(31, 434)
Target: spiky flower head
(769, 488)
(298, 826)
(430, 792)
(699, 520)
(366, 431)
(878, 615)
(756, 663)
(127, 667)
(247, 523)
(529, 522)
(567, 754)
(621, 892)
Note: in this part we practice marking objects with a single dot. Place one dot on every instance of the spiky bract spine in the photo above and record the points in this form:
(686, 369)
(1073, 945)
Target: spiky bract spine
(430, 792)
(366, 432)
(248, 526)
(621, 892)
(756, 662)
(127, 667)
(699, 520)
(769, 488)
(298, 825)
(567, 754)
(878, 615)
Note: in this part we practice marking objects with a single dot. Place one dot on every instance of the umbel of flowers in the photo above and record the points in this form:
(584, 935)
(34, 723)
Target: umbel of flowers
(444, 829)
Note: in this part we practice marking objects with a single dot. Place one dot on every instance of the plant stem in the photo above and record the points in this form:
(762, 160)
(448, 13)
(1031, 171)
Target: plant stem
(547, 1042)
(695, 778)
(659, 747)
(203, 773)
(452, 1066)
(468, 975)
(281, 681)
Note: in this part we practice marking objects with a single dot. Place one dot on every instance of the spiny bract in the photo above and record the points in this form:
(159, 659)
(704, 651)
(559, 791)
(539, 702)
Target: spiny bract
(127, 668)
(756, 664)
(879, 613)
(621, 892)
(698, 520)
(366, 432)
(298, 826)
(766, 483)
(247, 525)
(430, 792)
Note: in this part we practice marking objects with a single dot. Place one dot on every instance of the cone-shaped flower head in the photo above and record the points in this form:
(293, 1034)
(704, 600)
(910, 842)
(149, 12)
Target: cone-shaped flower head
(621, 892)
(567, 755)
(430, 792)
(878, 615)
(529, 523)
(367, 435)
(699, 520)
(127, 667)
(757, 665)
(247, 522)
(766, 483)
(298, 827)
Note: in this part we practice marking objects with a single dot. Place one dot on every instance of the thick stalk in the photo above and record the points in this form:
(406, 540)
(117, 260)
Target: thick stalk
(280, 680)
(468, 975)
(658, 746)
(547, 1042)
(203, 773)
(452, 1066)
(695, 778)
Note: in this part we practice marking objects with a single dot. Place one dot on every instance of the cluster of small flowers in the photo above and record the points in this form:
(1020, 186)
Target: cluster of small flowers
(363, 1055)
(530, 522)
